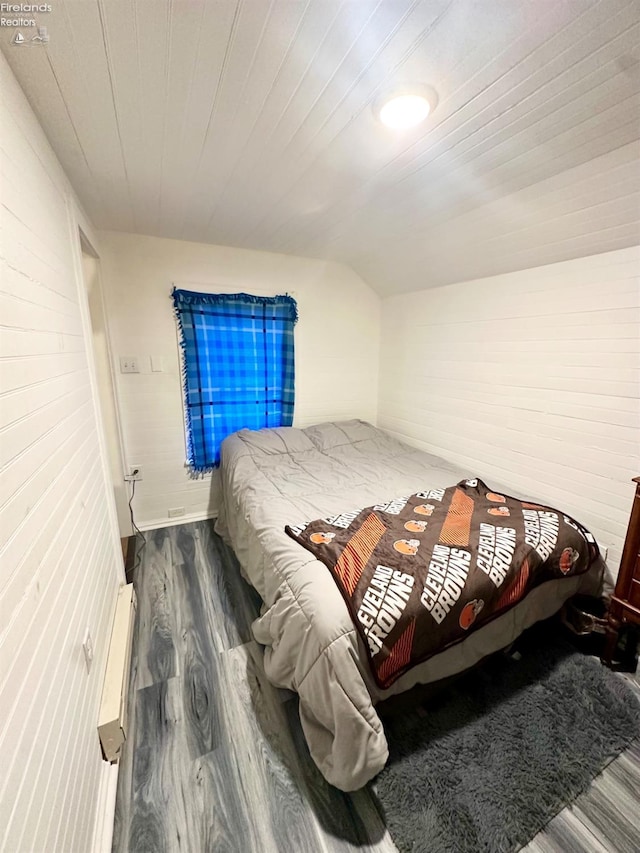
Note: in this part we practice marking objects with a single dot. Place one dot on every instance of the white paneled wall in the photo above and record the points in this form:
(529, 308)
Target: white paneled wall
(59, 563)
(336, 342)
(530, 379)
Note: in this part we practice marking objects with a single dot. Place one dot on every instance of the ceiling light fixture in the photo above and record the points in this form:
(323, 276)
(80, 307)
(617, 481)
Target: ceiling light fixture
(405, 107)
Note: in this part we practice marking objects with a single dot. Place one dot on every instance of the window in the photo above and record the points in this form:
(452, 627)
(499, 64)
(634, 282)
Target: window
(238, 367)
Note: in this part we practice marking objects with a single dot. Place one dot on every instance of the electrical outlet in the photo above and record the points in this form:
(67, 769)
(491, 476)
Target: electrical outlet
(134, 473)
(604, 550)
(87, 648)
(176, 512)
(129, 364)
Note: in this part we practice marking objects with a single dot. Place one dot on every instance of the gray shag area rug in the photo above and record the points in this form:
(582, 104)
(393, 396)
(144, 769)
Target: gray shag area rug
(489, 762)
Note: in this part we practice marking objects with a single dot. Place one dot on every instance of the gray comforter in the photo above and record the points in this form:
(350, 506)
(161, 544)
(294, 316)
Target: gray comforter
(286, 476)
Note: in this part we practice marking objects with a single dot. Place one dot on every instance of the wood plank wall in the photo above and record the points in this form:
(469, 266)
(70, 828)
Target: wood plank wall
(530, 379)
(59, 569)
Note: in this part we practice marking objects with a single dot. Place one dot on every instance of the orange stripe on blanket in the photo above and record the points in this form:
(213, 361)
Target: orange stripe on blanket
(516, 588)
(457, 524)
(399, 656)
(357, 552)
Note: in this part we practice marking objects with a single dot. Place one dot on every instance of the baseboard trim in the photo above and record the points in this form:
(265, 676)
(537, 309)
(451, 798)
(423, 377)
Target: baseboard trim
(106, 809)
(171, 522)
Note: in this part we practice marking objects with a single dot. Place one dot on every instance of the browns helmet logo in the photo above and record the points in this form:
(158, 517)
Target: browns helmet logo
(497, 499)
(407, 546)
(568, 559)
(424, 509)
(499, 510)
(321, 538)
(415, 526)
(470, 612)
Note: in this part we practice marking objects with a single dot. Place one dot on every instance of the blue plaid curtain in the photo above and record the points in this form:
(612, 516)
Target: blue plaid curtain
(238, 368)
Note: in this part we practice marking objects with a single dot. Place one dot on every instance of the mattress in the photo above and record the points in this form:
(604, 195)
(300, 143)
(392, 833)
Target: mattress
(286, 476)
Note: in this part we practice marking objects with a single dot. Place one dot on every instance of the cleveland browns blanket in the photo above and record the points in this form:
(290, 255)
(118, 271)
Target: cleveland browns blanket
(420, 572)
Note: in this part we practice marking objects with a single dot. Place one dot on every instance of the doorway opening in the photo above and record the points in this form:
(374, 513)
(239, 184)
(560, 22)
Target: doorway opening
(106, 390)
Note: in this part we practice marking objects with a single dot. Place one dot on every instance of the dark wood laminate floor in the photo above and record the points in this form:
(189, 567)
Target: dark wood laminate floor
(216, 760)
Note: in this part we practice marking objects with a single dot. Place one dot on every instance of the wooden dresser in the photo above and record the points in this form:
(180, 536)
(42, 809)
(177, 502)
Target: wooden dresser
(625, 602)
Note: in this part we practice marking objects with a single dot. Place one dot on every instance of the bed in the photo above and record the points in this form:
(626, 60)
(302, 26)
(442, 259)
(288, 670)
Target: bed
(275, 478)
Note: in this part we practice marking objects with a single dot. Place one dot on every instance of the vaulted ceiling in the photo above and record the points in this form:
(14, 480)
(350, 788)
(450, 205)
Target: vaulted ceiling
(249, 123)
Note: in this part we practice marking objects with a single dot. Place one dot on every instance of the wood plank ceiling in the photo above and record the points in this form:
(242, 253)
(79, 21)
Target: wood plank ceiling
(249, 123)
